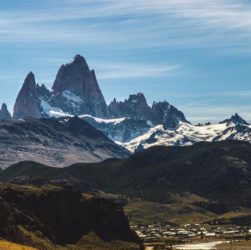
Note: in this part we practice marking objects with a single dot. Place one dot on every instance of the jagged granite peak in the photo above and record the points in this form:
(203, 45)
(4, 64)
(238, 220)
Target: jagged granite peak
(135, 107)
(76, 92)
(30, 82)
(80, 60)
(236, 119)
(166, 114)
(27, 102)
(4, 113)
(76, 89)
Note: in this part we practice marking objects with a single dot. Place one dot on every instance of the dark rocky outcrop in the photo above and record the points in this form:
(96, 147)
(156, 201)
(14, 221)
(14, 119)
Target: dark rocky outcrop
(4, 113)
(50, 215)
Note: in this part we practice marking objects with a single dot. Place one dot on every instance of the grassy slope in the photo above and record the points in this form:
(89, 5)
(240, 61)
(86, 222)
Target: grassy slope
(6, 245)
(145, 212)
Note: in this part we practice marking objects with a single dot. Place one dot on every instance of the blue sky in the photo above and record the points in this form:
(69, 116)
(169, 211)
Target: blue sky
(196, 54)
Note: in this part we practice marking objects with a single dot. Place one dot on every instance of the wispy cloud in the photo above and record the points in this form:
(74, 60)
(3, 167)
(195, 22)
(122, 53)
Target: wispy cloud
(118, 70)
(119, 28)
(175, 23)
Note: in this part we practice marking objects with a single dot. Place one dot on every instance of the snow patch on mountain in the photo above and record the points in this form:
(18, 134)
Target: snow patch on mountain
(52, 111)
(73, 99)
(187, 134)
(107, 121)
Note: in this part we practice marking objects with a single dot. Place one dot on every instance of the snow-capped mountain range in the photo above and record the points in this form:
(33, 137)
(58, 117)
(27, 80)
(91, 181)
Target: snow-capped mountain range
(136, 135)
(186, 134)
(131, 123)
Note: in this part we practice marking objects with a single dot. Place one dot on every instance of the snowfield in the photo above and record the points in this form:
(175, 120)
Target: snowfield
(100, 120)
(187, 134)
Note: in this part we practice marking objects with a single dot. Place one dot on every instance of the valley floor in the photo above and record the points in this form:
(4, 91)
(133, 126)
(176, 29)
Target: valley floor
(239, 245)
(196, 246)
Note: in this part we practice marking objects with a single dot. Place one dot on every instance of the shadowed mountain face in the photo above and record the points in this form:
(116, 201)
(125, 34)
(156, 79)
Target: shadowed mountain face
(52, 215)
(76, 90)
(28, 102)
(136, 107)
(220, 172)
(54, 142)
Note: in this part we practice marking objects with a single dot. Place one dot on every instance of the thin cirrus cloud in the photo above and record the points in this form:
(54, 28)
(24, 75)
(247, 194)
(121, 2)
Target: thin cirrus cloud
(121, 71)
(172, 23)
(199, 42)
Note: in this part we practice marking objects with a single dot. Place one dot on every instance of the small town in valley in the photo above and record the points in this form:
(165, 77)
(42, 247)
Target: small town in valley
(170, 236)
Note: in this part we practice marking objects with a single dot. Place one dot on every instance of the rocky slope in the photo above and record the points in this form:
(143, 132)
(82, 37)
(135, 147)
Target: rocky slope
(55, 142)
(119, 129)
(4, 113)
(60, 217)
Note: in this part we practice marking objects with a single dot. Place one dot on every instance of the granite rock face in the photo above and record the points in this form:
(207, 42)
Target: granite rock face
(76, 90)
(166, 114)
(136, 107)
(4, 113)
(28, 102)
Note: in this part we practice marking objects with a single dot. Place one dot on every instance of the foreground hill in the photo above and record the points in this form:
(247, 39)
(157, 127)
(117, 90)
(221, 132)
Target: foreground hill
(55, 142)
(219, 173)
(60, 217)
